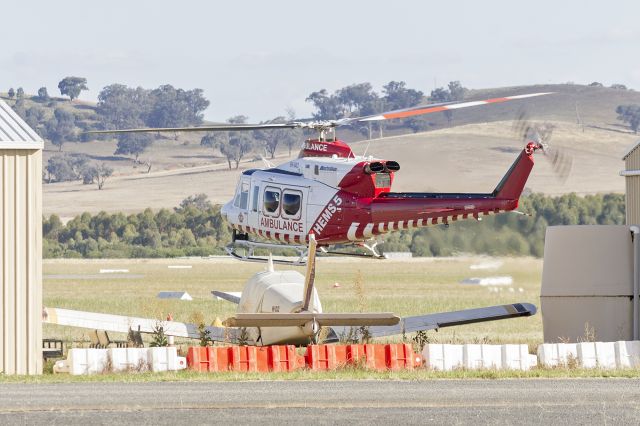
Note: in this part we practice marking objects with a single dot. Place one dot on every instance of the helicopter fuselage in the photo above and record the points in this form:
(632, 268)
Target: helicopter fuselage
(343, 198)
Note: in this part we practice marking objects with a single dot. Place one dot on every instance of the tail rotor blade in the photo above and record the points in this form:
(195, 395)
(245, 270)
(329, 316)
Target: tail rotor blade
(541, 133)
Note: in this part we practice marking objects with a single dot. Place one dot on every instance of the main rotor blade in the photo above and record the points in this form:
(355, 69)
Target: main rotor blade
(213, 128)
(428, 109)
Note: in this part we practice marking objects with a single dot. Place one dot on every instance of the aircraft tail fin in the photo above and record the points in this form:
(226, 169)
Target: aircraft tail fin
(513, 182)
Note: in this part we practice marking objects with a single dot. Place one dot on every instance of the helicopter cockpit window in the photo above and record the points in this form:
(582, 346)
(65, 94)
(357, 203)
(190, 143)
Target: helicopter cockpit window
(271, 200)
(291, 201)
(236, 199)
(244, 195)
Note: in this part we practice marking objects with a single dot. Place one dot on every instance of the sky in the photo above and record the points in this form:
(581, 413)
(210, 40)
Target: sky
(259, 58)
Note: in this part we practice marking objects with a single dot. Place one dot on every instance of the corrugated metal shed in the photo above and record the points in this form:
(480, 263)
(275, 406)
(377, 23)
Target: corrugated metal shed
(14, 132)
(20, 245)
(632, 179)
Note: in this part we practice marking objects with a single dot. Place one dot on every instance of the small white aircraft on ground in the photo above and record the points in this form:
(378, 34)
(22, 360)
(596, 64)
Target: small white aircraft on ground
(283, 307)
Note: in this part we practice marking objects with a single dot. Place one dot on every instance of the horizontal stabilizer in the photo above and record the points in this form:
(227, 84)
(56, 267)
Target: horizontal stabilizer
(226, 296)
(302, 318)
(122, 324)
(447, 319)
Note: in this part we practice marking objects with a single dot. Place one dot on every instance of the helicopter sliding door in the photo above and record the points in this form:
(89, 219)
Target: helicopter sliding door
(278, 210)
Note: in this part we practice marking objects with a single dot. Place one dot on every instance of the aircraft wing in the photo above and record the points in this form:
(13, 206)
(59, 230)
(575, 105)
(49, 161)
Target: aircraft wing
(444, 319)
(229, 297)
(122, 324)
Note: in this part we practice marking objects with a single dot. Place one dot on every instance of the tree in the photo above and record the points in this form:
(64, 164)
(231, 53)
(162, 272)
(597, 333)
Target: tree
(19, 108)
(20, 93)
(11, 93)
(271, 138)
(66, 167)
(397, 96)
(121, 107)
(629, 114)
(453, 92)
(61, 128)
(232, 145)
(357, 98)
(198, 201)
(327, 106)
(456, 91)
(59, 169)
(72, 86)
(34, 117)
(618, 86)
(133, 144)
(173, 107)
(97, 174)
(596, 84)
(43, 94)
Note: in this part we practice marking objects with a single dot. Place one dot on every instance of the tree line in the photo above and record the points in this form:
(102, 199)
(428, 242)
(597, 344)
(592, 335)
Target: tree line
(195, 228)
(122, 107)
(118, 107)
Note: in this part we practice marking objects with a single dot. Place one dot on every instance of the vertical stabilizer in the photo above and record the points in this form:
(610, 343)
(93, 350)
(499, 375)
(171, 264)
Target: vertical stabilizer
(512, 184)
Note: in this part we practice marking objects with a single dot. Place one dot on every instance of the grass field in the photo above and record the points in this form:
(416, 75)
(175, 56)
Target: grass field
(405, 287)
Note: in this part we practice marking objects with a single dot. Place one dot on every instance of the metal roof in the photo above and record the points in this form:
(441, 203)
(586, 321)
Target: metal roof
(631, 149)
(14, 132)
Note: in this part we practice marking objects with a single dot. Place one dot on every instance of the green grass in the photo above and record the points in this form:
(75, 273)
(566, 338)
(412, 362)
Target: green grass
(404, 287)
(341, 374)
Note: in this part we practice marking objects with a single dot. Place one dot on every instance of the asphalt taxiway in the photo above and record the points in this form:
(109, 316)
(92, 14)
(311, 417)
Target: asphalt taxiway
(530, 401)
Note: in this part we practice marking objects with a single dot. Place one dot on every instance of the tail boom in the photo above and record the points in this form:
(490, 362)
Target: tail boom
(397, 211)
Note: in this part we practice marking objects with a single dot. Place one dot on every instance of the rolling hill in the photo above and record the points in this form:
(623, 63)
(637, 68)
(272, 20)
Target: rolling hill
(471, 154)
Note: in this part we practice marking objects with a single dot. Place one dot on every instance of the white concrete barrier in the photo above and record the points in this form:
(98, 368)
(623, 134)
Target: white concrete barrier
(609, 355)
(87, 361)
(93, 361)
(443, 357)
(587, 355)
(166, 359)
(129, 359)
(474, 356)
(627, 354)
(515, 357)
(557, 354)
(606, 354)
(482, 356)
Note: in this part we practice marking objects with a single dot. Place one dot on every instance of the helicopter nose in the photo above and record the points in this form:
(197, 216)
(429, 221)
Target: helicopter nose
(224, 211)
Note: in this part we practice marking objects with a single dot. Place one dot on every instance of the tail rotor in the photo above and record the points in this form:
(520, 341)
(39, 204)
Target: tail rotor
(540, 134)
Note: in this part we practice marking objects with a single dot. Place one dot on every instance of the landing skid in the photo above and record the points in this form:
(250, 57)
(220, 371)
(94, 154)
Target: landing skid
(248, 251)
(370, 248)
(249, 248)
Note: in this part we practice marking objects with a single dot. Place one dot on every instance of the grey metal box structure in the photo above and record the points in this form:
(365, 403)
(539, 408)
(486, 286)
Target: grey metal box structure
(632, 182)
(587, 283)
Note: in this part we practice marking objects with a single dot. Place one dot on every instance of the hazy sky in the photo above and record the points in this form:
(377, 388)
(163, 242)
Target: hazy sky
(260, 57)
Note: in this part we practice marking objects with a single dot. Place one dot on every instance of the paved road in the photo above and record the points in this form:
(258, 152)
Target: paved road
(599, 401)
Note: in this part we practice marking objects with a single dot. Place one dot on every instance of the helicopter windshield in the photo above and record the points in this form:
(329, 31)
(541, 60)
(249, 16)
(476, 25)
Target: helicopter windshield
(242, 195)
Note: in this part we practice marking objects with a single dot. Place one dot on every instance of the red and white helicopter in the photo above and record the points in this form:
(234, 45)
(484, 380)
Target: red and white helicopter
(346, 199)
(330, 196)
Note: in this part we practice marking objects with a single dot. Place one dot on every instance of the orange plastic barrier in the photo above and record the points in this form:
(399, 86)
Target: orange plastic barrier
(249, 358)
(326, 357)
(402, 357)
(211, 358)
(398, 356)
(284, 358)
